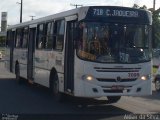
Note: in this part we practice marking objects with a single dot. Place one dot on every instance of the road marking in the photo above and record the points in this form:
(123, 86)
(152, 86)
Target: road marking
(138, 105)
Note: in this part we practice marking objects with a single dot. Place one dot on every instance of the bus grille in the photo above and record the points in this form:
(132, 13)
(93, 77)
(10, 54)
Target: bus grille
(113, 91)
(100, 69)
(114, 80)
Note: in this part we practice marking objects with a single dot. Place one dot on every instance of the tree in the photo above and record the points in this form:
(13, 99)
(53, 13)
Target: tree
(138, 7)
(143, 7)
(2, 41)
(156, 28)
(135, 6)
(155, 25)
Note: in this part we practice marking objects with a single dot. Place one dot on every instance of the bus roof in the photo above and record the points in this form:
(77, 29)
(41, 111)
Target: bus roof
(46, 18)
(82, 12)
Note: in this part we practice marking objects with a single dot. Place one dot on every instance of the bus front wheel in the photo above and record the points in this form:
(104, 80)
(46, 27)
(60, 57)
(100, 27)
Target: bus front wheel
(113, 99)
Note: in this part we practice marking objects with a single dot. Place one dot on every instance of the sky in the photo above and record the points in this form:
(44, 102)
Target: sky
(41, 8)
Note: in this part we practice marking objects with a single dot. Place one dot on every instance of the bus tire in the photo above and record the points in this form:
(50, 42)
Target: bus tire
(17, 73)
(157, 85)
(113, 99)
(55, 88)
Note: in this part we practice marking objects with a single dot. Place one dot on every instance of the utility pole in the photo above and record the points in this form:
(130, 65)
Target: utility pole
(21, 11)
(153, 26)
(154, 4)
(21, 3)
(76, 5)
(32, 17)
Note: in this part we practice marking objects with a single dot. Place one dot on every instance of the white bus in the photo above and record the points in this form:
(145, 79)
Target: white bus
(90, 52)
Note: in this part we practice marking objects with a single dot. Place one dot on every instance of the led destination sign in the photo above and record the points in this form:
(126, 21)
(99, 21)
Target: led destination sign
(115, 13)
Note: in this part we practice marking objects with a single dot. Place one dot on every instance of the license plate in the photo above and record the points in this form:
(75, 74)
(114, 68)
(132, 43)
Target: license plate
(117, 87)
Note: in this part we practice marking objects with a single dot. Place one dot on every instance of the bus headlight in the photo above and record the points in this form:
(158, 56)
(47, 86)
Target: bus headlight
(145, 77)
(87, 77)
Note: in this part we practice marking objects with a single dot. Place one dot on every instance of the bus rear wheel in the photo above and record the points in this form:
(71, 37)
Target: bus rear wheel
(113, 99)
(55, 88)
(17, 72)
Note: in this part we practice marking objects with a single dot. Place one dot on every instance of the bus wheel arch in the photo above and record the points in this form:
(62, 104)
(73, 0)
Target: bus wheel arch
(52, 73)
(54, 85)
(17, 71)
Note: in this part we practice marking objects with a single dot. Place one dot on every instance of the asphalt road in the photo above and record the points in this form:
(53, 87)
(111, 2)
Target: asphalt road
(25, 101)
(36, 102)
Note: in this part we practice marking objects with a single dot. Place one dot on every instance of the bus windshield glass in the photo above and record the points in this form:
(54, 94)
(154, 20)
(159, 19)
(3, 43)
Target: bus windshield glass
(113, 43)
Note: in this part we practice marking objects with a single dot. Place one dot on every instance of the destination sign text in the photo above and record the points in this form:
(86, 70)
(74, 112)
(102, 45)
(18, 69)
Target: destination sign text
(115, 13)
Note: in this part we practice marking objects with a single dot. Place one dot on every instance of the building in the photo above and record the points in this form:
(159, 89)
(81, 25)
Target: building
(4, 21)
(3, 28)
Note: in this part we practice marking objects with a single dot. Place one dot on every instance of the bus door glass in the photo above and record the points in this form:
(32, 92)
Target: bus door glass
(69, 57)
(31, 44)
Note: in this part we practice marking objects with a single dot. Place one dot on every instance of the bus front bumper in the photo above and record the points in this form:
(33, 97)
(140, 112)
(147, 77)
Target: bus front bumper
(91, 90)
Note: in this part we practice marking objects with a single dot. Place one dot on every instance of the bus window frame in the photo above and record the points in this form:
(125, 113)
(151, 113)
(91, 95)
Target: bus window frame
(24, 28)
(21, 38)
(50, 35)
(44, 36)
(56, 34)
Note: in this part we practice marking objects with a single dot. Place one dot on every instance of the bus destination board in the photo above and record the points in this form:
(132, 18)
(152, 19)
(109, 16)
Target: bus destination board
(114, 13)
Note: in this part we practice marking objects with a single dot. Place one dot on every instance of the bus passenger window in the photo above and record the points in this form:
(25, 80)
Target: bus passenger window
(49, 37)
(19, 38)
(25, 38)
(8, 38)
(40, 41)
(60, 27)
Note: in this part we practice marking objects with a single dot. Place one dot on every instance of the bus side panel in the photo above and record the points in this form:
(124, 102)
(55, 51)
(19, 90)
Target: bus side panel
(44, 62)
(56, 61)
(41, 68)
(20, 55)
(78, 74)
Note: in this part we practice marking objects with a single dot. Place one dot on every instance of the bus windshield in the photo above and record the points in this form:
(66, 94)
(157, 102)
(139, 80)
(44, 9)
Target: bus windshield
(113, 43)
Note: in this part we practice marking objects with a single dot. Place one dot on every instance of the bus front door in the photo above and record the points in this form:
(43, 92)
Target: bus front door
(69, 58)
(32, 35)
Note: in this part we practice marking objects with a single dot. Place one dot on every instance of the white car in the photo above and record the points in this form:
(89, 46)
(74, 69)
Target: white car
(1, 55)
